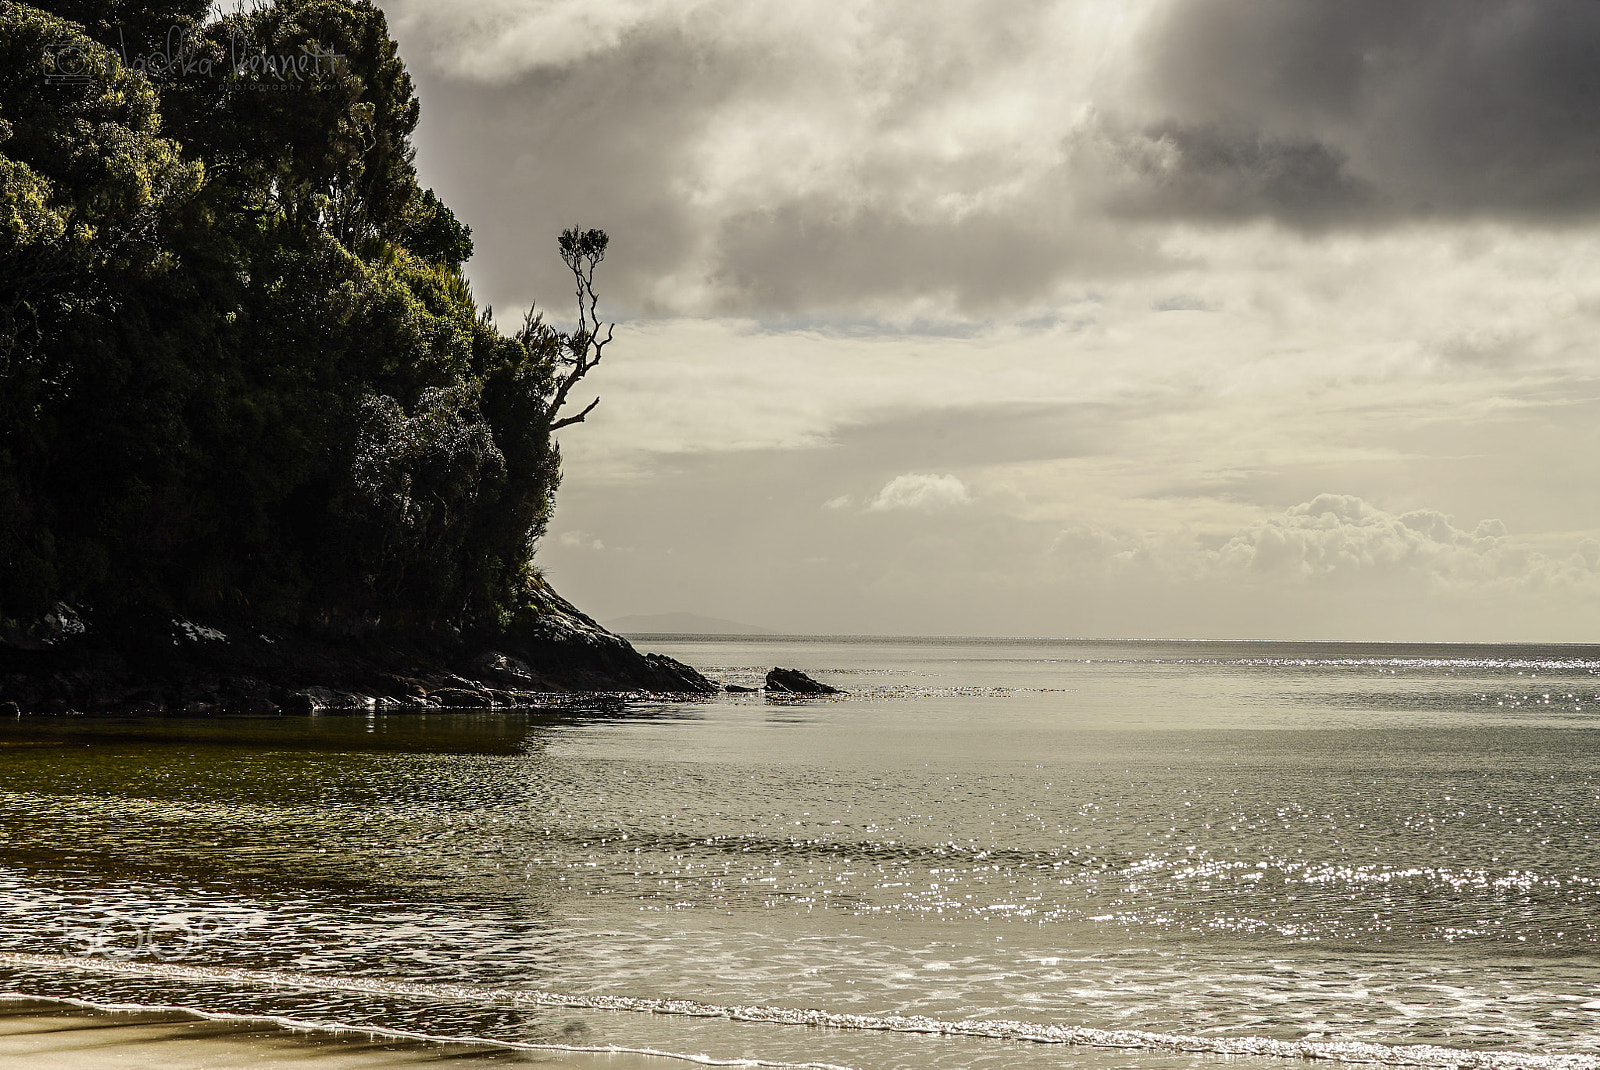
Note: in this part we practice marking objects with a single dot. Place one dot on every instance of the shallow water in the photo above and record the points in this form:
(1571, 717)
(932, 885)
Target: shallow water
(1157, 853)
(52, 1035)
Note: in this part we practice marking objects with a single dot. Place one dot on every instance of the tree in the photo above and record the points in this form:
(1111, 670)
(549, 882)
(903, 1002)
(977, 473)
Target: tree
(241, 372)
(582, 252)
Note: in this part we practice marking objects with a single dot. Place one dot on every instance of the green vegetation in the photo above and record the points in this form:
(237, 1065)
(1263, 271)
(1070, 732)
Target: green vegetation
(241, 373)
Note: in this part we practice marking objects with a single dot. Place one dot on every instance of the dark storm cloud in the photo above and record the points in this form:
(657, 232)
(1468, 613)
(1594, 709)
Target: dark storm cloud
(1213, 173)
(1307, 110)
(771, 160)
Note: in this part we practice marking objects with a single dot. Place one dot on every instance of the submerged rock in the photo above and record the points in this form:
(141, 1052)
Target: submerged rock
(795, 682)
(737, 690)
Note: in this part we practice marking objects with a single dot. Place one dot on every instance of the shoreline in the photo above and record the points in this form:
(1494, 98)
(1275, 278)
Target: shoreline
(56, 1034)
(165, 664)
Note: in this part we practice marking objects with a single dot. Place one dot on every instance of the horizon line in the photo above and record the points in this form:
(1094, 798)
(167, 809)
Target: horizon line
(1102, 639)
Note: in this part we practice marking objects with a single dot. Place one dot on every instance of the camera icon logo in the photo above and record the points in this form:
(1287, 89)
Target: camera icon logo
(68, 63)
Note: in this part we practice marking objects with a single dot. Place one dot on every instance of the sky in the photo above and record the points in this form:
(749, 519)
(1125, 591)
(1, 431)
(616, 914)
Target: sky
(1090, 318)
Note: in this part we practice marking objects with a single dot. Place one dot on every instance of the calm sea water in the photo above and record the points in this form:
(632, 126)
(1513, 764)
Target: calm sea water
(992, 853)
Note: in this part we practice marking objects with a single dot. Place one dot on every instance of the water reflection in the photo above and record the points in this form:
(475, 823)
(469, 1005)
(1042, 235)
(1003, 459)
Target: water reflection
(1253, 846)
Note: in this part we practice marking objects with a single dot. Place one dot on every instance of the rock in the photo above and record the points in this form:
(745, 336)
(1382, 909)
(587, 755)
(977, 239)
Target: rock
(674, 675)
(737, 690)
(300, 704)
(401, 688)
(504, 669)
(326, 698)
(460, 698)
(795, 682)
(570, 650)
(255, 705)
(60, 623)
(57, 625)
(148, 661)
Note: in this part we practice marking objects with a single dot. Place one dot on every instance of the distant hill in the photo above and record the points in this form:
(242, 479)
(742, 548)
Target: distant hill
(682, 624)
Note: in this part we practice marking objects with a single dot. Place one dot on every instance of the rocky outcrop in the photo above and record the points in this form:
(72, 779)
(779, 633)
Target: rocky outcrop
(795, 682)
(160, 664)
(568, 648)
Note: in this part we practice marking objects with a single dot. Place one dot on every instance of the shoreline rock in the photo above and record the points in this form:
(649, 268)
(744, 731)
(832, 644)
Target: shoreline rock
(166, 665)
(795, 682)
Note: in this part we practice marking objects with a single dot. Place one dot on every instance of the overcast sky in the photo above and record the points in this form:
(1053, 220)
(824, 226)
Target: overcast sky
(1081, 318)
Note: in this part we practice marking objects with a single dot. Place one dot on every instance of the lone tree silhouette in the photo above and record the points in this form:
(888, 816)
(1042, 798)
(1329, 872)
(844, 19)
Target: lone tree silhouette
(582, 252)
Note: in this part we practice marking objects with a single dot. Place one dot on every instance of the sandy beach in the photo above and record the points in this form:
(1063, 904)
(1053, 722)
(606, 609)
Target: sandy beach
(54, 1036)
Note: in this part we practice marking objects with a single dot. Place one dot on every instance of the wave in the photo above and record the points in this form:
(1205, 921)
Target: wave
(286, 1022)
(1416, 1055)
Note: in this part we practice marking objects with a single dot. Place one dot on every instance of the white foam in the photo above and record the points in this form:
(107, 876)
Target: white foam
(1418, 1055)
(407, 1034)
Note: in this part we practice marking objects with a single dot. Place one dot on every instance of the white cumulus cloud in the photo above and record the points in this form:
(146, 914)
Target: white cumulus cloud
(1093, 547)
(1342, 534)
(580, 540)
(1335, 539)
(924, 492)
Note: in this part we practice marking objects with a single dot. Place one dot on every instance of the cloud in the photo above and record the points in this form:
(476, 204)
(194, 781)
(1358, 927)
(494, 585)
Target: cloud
(1145, 271)
(580, 540)
(1341, 538)
(1090, 550)
(1208, 172)
(1372, 110)
(1336, 541)
(973, 157)
(1341, 535)
(497, 40)
(767, 157)
(982, 433)
(835, 251)
(920, 492)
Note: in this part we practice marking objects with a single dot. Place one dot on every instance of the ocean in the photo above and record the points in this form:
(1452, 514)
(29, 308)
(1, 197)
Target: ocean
(990, 853)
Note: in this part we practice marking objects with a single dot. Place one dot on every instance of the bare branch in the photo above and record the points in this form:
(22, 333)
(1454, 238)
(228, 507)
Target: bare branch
(578, 419)
(582, 251)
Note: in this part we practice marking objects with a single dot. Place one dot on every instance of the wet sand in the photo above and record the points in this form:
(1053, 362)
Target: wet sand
(52, 1036)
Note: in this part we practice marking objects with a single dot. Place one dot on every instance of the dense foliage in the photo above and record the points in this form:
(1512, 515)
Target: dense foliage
(241, 373)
